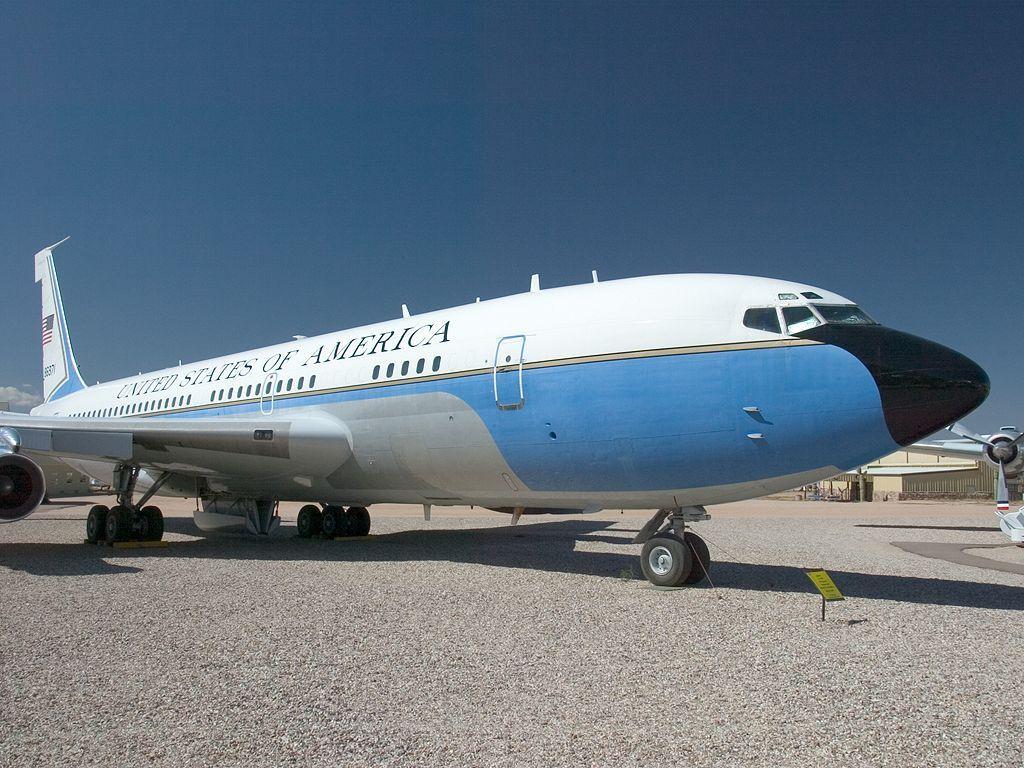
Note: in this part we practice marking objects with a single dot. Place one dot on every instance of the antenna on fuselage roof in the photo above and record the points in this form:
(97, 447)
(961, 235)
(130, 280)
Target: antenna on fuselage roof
(534, 283)
(593, 274)
(405, 311)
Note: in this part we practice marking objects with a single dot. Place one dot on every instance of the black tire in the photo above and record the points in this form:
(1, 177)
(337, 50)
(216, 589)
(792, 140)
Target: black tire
(666, 561)
(154, 520)
(309, 521)
(360, 517)
(96, 524)
(335, 522)
(701, 558)
(119, 524)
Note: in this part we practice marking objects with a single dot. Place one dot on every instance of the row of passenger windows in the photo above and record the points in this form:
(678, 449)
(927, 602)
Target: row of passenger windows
(251, 390)
(389, 372)
(131, 408)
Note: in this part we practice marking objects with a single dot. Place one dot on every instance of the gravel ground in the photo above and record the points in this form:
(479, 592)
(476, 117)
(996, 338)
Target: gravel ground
(464, 641)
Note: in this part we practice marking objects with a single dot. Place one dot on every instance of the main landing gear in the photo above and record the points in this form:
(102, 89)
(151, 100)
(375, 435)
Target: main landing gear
(127, 521)
(332, 521)
(673, 556)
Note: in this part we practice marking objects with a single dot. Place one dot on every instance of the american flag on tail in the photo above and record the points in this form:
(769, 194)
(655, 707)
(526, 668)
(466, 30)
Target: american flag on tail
(47, 329)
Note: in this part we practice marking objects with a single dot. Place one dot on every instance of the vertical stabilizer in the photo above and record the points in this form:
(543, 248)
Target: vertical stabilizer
(60, 371)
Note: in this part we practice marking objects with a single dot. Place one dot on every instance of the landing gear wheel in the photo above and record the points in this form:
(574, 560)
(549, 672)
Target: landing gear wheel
(700, 555)
(360, 518)
(119, 524)
(96, 524)
(336, 522)
(309, 521)
(666, 561)
(153, 519)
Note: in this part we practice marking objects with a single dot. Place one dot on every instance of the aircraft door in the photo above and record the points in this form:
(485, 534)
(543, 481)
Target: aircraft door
(267, 394)
(508, 373)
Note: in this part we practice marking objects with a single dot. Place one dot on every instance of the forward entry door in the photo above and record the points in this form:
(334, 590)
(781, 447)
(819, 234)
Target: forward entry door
(508, 373)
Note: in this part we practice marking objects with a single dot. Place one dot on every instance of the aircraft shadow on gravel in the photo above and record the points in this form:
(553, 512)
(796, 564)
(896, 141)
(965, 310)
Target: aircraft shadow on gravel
(544, 546)
(965, 528)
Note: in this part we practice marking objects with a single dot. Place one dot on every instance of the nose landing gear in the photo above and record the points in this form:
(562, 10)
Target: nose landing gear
(673, 556)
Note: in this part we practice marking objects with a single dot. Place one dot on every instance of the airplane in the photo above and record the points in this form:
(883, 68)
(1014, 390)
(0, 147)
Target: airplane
(1001, 449)
(667, 392)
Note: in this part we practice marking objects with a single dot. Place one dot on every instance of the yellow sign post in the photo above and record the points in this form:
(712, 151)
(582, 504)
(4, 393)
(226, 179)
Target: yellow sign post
(828, 589)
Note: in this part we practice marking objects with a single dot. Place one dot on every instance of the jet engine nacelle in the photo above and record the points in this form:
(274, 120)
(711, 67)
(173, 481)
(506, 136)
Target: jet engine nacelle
(22, 487)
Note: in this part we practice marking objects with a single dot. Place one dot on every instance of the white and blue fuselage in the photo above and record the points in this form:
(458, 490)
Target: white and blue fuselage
(661, 391)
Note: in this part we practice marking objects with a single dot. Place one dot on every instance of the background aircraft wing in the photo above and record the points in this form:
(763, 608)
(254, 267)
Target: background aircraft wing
(958, 449)
(192, 446)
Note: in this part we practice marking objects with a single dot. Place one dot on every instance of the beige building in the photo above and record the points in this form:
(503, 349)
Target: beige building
(906, 475)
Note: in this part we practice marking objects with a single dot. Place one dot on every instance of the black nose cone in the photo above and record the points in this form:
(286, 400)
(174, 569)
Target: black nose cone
(924, 386)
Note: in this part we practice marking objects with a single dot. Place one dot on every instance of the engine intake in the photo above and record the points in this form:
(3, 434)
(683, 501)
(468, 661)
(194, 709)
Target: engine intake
(22, 487)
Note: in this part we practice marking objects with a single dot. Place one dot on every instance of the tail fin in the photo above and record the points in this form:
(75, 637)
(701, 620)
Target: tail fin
(60, 371)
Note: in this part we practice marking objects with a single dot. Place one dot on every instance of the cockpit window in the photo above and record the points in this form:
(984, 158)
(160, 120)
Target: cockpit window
(799, 318)
(810, 295)
(762, 319)
(843, 314)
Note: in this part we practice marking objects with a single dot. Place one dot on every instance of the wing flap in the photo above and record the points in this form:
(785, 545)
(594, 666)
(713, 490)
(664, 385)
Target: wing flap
(74, 442)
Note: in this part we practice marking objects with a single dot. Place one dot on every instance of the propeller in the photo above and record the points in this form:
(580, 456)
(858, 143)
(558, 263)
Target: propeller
(1002, 452)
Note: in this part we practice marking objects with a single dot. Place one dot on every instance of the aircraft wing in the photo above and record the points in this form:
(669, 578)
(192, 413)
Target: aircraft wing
(200, 446)
(958, 449)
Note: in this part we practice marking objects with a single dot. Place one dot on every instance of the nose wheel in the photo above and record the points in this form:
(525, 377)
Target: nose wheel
(673, 556)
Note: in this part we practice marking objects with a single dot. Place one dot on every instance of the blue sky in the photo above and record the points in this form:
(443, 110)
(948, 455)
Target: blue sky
(235, 173)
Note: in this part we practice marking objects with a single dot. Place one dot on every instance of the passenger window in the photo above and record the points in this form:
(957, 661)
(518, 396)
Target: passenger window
(257, 391)
(312, 381)
(231, 393)
(799, 319)
(289, 385)
(376, 372)
(220, 395)
(762, 319)
(405, 368)
(280, 385)
(299, 385)
(419, 365)
(248, 391)
(391, 370)
(189, 401)
(437, 363)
